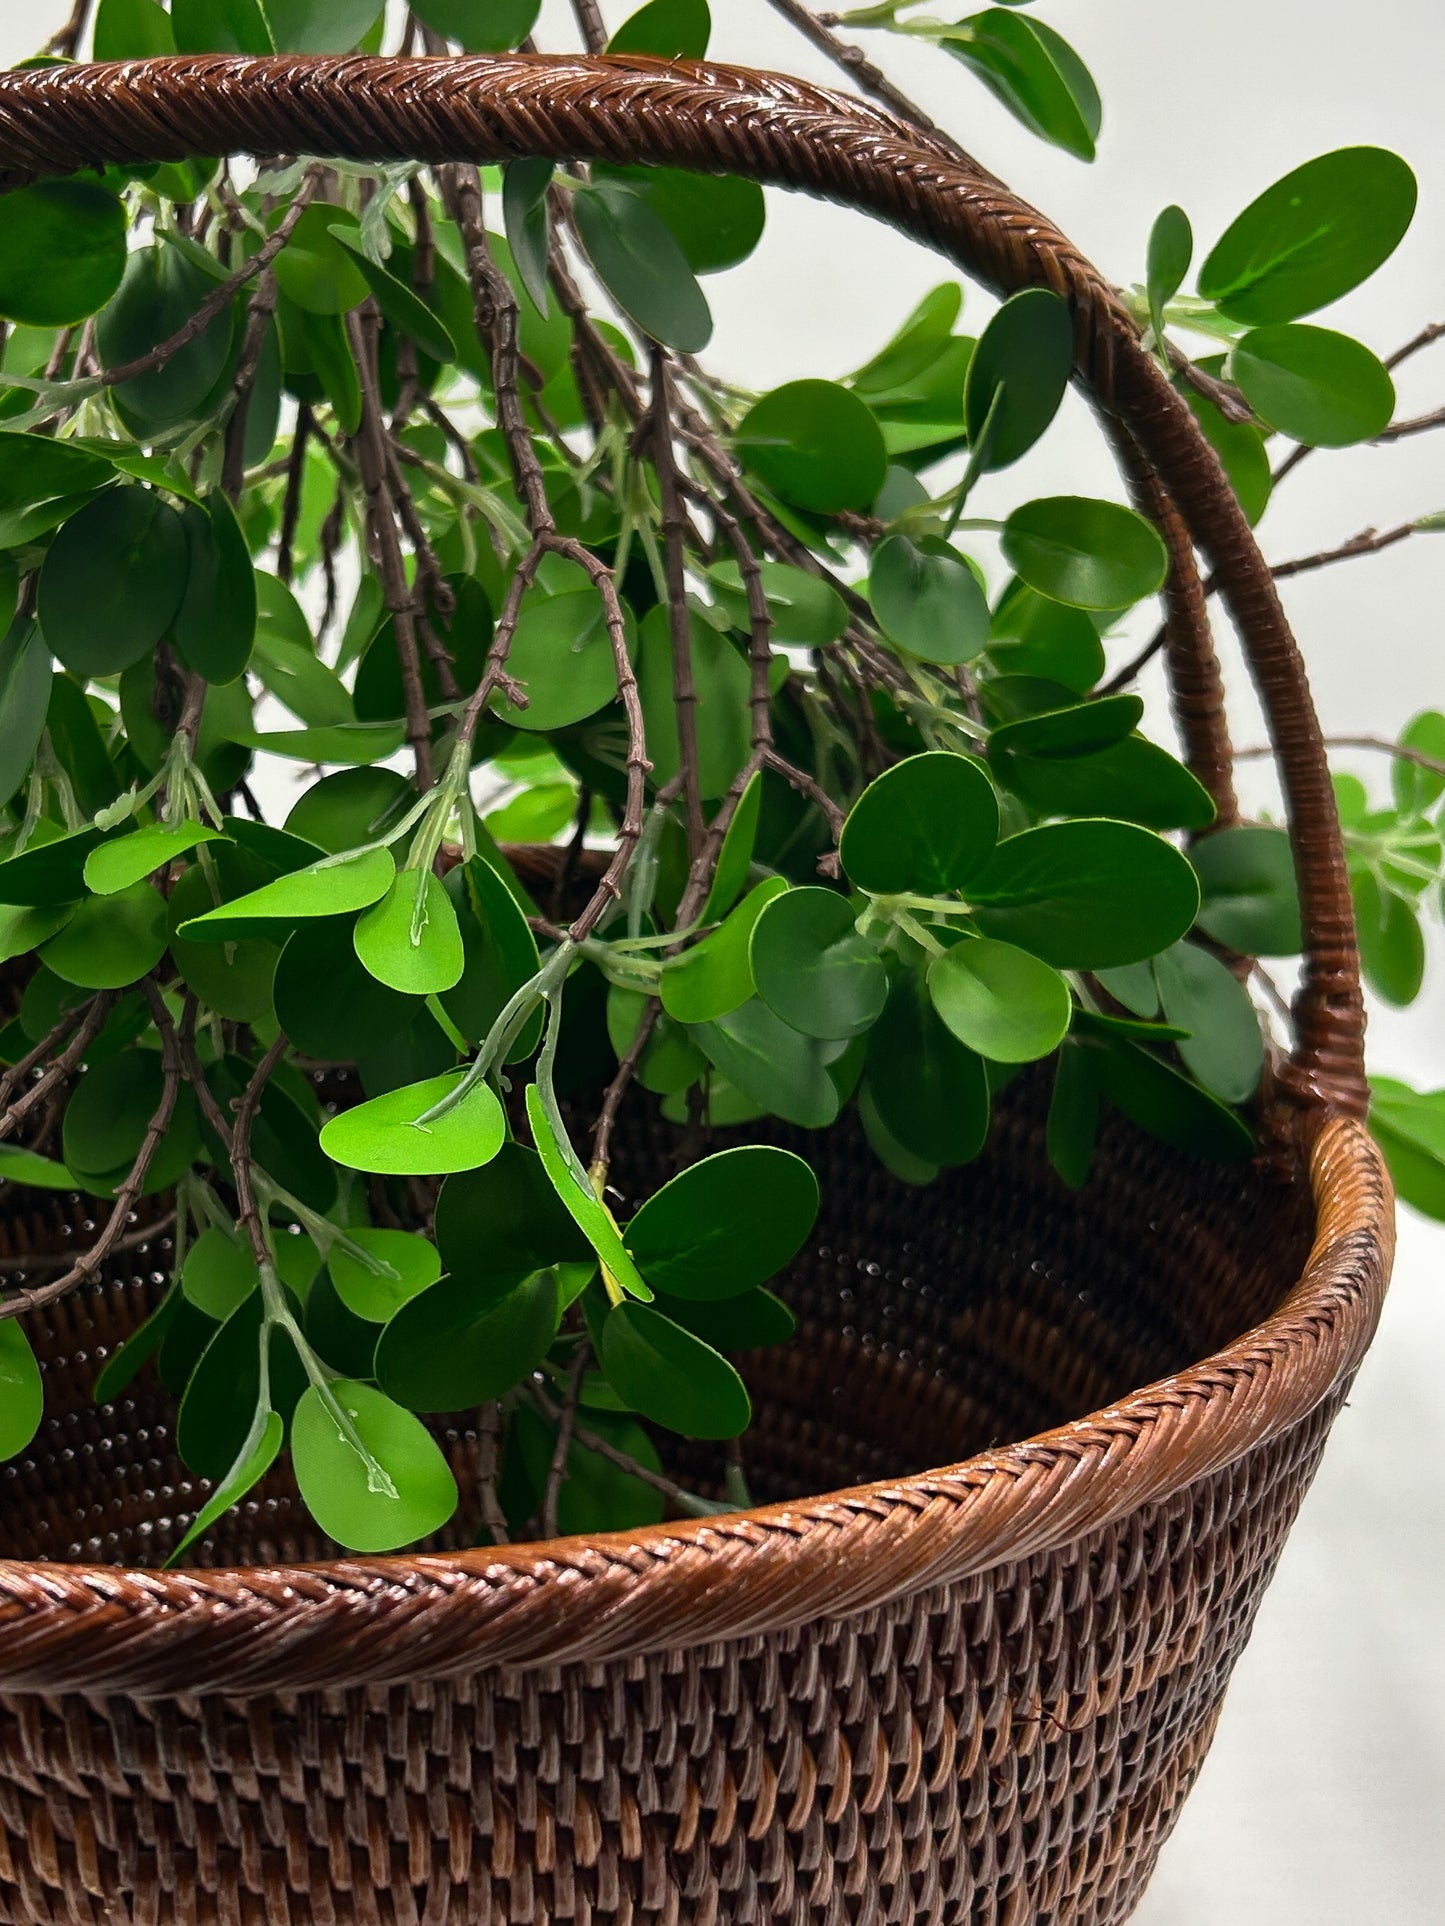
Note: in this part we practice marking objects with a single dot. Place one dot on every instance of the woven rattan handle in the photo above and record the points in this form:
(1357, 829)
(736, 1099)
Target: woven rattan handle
(718, 119)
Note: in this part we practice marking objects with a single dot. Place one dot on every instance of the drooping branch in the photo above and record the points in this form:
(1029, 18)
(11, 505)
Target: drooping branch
(679, 616)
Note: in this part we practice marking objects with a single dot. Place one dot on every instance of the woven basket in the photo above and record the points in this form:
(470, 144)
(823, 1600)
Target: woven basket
(977, 1693)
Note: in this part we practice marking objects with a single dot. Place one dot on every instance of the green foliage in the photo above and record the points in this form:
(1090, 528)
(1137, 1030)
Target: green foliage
(844, 810)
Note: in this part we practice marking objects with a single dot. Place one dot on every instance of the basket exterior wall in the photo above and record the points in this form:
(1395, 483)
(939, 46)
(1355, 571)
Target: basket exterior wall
(1011, 1748)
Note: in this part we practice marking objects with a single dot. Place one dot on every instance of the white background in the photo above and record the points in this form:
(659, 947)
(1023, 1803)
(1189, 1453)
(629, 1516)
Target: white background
(1323, 1802)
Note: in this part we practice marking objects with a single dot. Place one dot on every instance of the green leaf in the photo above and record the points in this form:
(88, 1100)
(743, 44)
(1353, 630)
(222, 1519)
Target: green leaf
(24, 699)
(62, 252)
(1169, 1106)
(350, 808)
(813, 969)
(1314, 385)
(112, 581)
(385, 1135)
(591, 1217)
(721, 679)
(926, 826)
(596, 1495)
(489, 28)
(1311, 237)
(641, 266)
(25, 929)
(400, 304)
(111, 940)
(405, 1266)
(725, 1224)
(768, 1060)
(736, 855)
(1171, 249)
(127, 860)
(22, 1397)
(49, 872)
(410, 940)
(107, 1117)
(1416, 788)
(452, 1348)
(715, 976)
(999, 1000)
(315, 269)
(218, 1411)
(329, 888)
(500, 955)
(671, 1062)
(1241, 451)
(928, 1090)
(78, 745)
(321, 26)
(1392, 944)
(562, 655)
(916, 346)
(127, 1360)
(393, 1490)
(1135, 780)
(1086, 895)
(670, 29)
(505, 1221)
(672, 1377)
(1033, 636)
(257, 1455)
(524, 208)
(928, 600)
(1080, 730)
(20, 1166)
(215, 625)
(1017, 376)
(1133, 985)
(353, 743)
(1035, 73)
(132, 30)
(233, 979)
(221, 26)
(806, 611)
(1090, 554)
(219, 1274)
(816, 445)
(1249, 899)
(1409, 1127)
(1073, 1121)
(716, 219)
(161, 290)
(1225, 1049)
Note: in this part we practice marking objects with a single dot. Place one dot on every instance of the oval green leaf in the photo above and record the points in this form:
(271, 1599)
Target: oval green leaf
(386, 1134)
(112, 581)
(410, 940)
(1000, 1000)
(672, 1377)
(816, 445)
(374, 1481)
(725, 1224)
(925, 827)
(1090, 554)
(813, 969)
(1314, 385)
(928, 600)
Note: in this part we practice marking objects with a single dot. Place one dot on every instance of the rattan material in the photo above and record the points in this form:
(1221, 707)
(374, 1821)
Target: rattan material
(971, 1694)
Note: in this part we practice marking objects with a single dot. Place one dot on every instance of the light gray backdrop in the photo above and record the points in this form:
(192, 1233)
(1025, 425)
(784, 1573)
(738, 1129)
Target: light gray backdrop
(1323, 1802)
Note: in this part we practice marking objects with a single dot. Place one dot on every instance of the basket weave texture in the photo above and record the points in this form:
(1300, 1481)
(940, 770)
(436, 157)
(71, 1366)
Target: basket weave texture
(970, 1694)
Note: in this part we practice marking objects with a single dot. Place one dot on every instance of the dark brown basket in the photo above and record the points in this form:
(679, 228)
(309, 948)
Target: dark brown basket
(972, 1694)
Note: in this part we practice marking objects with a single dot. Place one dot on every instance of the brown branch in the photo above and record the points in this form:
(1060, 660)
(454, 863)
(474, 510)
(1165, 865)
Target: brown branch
(291, 502)
(66, 40)
(260, 313)
(362, 326)
(489, 1437)
(12, 1078)
(591, 25)
(248, 1211)
(56, 1073)
(133, 1240)
(679, 616)
(685, 1500)
(861, 70)
(1411, 425)
(566, 1422)
(1432, 331)
(85, 1267)
(1401, 751)
(617, 1089)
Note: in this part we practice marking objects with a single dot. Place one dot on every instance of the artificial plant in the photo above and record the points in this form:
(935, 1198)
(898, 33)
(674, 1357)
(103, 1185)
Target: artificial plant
(355, 470)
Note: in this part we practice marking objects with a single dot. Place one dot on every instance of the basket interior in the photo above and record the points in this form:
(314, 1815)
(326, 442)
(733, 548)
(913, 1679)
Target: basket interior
(987, 1307)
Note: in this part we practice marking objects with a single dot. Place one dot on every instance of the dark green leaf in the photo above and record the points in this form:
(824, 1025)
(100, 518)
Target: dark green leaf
(641, 266)
(1171, 248)
(816, 445)
(928, 1090)
(500, 955)
(162, 289)
(24, 930)
(928, 600)
(233, 979)
(350, 808)
(49, 871)
(1250, 903)
(219, 1274)
(524, 207)
(1086, 895)
(221, 26)
(1035, 73)
(916, 346)
(925, 826)
(1082, 730)
(132, 30)
(721, 679)
(670, 1060)
(1033, 636)
(1241, 451)
(22, 1397)
(716, 219)
(999, 1000)
(328, 1004)
(670, 29)
(1312, 236)
(1169, 1106)
(1090, 554)
(24, 699)
(62, 252)
(1392, 944)
(806, 611)
(562, 655)
(715, 976)
(315, 269)
(396, 1489)
(111, 940)
(1225, 1049)
(672, 1377)
(321, 26)
(112, 581)
(1133, 985)
(772, 1064)
(1314, 385)
(454, 1347)
(813, 969)
(1017, 376)
(386, 1135)
(505, 1221)
(1073, 1121)
(725, 1224)
(481, 26)
(215, 624)
(1135, 780)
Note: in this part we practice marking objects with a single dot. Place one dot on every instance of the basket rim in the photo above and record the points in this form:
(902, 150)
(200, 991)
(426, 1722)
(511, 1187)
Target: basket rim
(382, 1621)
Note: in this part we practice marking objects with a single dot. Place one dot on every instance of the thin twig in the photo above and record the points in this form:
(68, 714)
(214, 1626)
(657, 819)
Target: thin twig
(54, 1261)
(566, 1423)
(1400, 751)
(679, 616)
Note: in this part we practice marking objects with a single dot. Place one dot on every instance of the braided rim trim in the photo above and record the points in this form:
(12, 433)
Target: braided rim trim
(389, 1620)
(719, 119)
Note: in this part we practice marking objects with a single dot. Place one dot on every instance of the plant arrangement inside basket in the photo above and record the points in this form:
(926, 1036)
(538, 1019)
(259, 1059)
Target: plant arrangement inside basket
(641, 742)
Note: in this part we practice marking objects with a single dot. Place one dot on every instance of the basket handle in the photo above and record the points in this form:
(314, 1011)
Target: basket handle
(712, 119)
